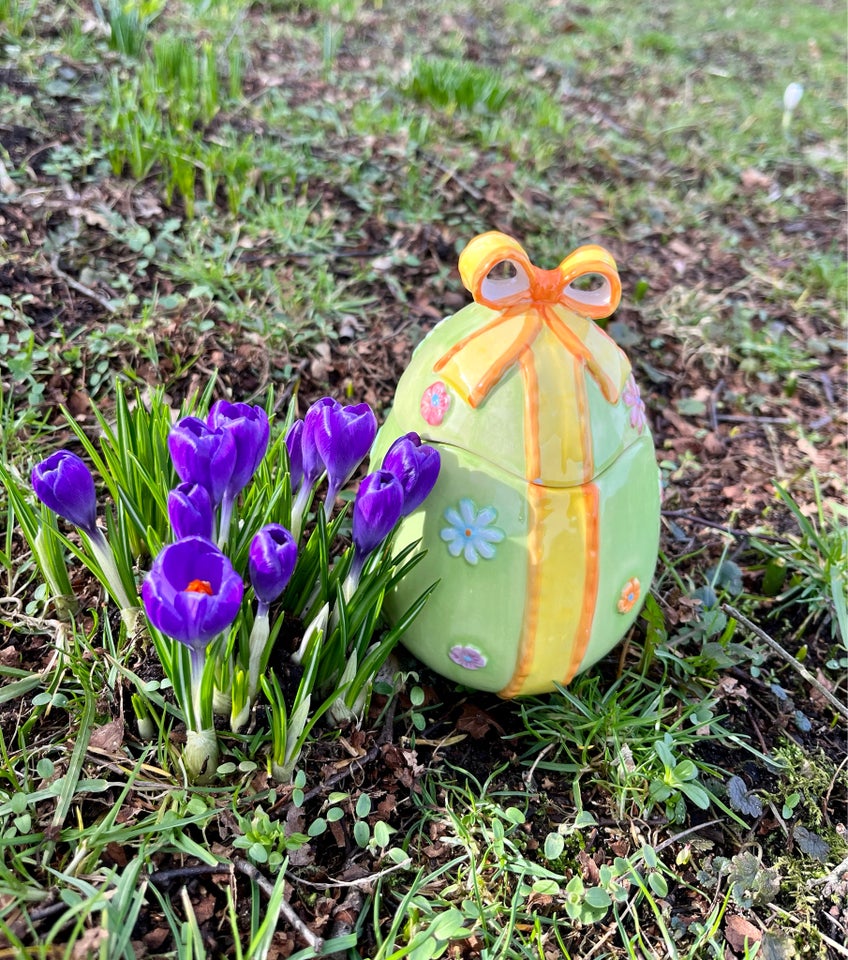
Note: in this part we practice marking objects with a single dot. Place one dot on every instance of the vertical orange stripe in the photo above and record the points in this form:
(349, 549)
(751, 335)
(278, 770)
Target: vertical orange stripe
(532, 592)
(590, 589)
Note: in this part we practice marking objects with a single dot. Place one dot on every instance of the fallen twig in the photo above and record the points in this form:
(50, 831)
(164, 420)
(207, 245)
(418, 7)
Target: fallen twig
(685, 833)
(247, 868)
(787, 656)
(161, 878)
(464, 185)
(79, 287)
(632, 902)
(835, 875)
(842, 951)
(359, 882)
(826, 800)
(384, 737)
(528, 777)
(732, 531)
(742, 418)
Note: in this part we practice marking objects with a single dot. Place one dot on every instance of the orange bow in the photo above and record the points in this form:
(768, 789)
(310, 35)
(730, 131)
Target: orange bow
(525, 301)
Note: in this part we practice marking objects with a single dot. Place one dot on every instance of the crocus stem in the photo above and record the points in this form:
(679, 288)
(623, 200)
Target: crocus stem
(198, 663)
(106, 560)
(352, 580)
(349, 586)
(226, 517)
(330, 501)
(256, 644)
(201, 750)
(301, 502)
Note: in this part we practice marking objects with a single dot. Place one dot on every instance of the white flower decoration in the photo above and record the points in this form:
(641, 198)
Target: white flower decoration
(471, 532)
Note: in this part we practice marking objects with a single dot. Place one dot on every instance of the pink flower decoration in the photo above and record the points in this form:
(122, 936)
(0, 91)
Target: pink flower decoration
(634, 401)
(468, 657)
(435, 403)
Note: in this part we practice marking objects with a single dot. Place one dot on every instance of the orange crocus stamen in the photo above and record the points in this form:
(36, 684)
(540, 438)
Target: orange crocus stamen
(200, 586)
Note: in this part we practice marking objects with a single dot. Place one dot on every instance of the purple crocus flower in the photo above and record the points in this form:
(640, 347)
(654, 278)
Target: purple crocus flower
(313, 423)
(190, 511)
(343, 436)
(305, 460)
(271, 560)
(376, 510)
(416, 465)
(192, 593)
(250, 430)
(64, 484)
(203, 455)
(294, 448)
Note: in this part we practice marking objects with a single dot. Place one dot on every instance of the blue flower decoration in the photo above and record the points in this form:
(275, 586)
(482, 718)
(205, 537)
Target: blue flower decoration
(471, 532)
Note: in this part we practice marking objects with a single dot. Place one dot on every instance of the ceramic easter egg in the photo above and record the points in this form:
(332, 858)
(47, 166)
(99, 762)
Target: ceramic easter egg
(543, 527)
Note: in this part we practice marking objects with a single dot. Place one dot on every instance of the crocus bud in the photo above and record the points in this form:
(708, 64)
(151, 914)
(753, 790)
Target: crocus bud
(190, 511)
(416, 466)
(344, 436)
(250, 431)
(313, 465)
(64, 484)
(294, 448)
(192, 592)
(203, 455)
(271, 561)
(376, 510)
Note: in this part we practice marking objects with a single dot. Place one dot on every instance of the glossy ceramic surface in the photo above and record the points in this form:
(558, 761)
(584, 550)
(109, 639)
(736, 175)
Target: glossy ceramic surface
(543, 526)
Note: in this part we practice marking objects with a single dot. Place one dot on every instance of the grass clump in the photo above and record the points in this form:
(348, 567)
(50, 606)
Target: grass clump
(157, 115)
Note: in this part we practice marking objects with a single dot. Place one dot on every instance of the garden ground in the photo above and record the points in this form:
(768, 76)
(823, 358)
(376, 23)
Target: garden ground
(275, 194)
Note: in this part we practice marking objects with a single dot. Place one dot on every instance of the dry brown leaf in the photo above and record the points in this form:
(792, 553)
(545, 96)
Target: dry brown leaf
(753, 179)
(713, 444)
(91, 217)
(818, 458)
(731, 688)
(737, 930)
(476, 722)
(108, 738)
(204, 909)
(154, 938)
(589, 868)
(89, 943)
